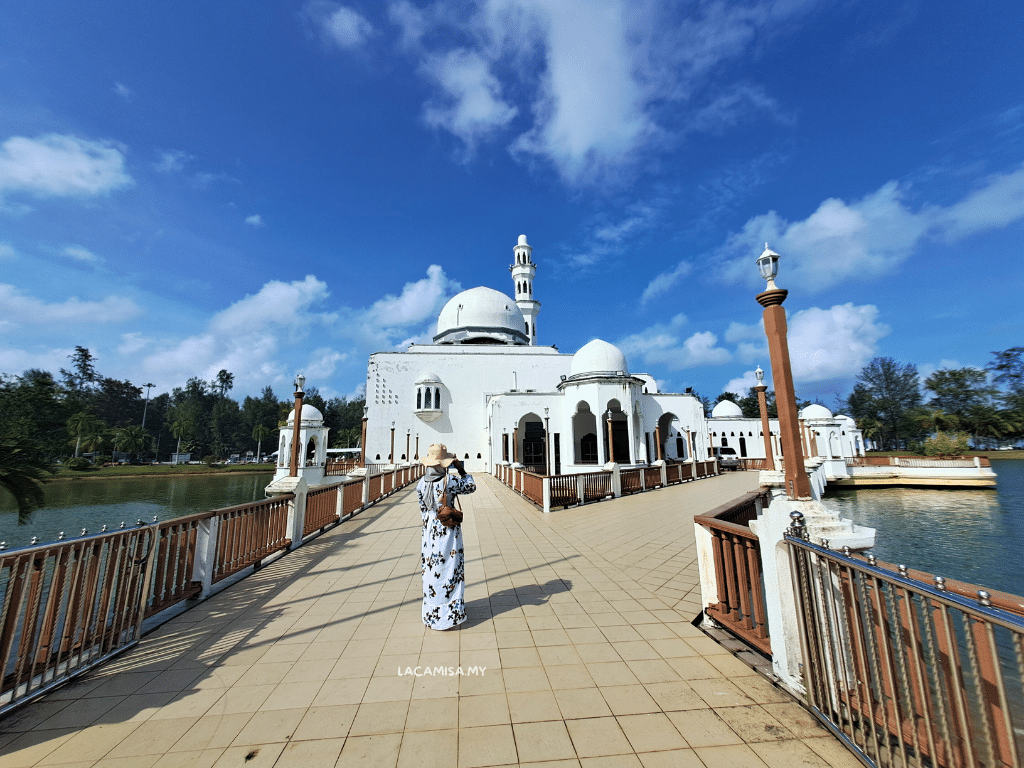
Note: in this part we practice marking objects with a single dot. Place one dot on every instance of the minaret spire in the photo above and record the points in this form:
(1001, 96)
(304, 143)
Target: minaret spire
(523, 271)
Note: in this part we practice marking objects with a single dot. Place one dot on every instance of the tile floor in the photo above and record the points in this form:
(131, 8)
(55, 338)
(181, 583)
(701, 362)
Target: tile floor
(579, 631)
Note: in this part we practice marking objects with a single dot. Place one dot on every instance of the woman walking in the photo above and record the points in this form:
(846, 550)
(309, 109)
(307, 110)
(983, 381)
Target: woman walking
(442, 558)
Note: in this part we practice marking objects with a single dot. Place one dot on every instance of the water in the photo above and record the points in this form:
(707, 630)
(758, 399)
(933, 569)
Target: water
(975, 536)
(72, 505)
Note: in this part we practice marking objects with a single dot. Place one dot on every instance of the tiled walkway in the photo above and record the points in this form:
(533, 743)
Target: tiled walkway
(581, 619)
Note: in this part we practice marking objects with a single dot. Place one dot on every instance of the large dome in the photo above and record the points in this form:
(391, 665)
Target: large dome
(481, 316)
(727, 409)
(598, 357)
(815, 411)
(309, 413)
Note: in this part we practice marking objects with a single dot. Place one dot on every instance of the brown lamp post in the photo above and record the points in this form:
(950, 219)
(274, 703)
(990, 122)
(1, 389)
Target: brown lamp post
(300, 380)
(775, 328)
(408, 437)
(547, 443)
(362, 442)
(417, 445)
(391, 456)
(657, 439)
(762, 405)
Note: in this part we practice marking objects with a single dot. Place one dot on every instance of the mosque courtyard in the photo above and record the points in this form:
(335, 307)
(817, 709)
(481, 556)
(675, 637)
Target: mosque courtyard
(579, 651)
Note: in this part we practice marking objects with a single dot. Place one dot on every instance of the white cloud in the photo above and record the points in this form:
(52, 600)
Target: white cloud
(172, 160)
(255, 220)
(472, 106)
(664, 282)
(826, 344)
(7, 251)
(79, 253)
(410, 20)
(870, 237)
(123, 91)
(16, 361)
(18, 307)
(418, 302)
(661, 345)
(742, 384)
(60, 166)
(735, 105)
(338, 24)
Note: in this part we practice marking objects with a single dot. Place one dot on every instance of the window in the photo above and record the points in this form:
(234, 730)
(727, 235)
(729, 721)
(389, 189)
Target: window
(427, 403)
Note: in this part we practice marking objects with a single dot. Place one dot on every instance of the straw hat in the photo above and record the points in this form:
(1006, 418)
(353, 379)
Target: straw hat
(438, 456)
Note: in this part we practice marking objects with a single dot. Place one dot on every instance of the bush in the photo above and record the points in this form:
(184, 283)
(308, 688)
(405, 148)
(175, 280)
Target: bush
(78, 464)
(947, 444)
(210, 460)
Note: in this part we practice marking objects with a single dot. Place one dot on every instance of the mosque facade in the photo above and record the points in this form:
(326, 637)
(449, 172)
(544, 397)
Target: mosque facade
(492, 394)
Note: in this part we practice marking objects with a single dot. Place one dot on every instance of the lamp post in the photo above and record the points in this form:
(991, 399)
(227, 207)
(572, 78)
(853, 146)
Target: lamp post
(362, 441)
(391, 456)
(417, 445)
(775, 328)
(146, 406)
(300, 381)
(762, 406)
(408, 437)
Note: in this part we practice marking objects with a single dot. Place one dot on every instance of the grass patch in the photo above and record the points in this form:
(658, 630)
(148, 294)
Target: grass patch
(156, 470)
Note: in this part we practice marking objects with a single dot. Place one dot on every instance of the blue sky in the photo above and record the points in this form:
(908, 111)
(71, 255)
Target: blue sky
(285, 186)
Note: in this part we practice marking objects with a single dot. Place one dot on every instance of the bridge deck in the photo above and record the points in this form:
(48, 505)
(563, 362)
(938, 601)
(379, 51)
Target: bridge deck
(581, 618)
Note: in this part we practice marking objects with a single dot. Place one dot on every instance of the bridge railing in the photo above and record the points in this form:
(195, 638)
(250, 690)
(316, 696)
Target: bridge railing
(907, 668)
(67, 606)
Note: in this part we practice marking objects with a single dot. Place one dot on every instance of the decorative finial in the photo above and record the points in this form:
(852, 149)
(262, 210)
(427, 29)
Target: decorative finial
(903, 570)
(60, 536)
(85, 531)
(872, 560)
(984, 598)
(940, 583)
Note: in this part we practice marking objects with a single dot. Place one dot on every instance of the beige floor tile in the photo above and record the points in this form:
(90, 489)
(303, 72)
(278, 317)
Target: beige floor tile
(488, 745)
(574, 763)
(90, 744)
(265, 674)
(520, 657)
(789, 754)
(611, 761)
(444, 686)
(432, 714)
(212, 732)
(380, 717)
(484, 640)
(199, 759)
(796, 719)
(514, 639)
(334, 692)
(321, 753)
(394, 688)
(263, 756)
(676, 758)
(569, 676)
(629, 700)
(326, 722)
(154, 738)
(598, 737)
(652, 732)
(718, 692)
(543, 741)
(597, 652)
(137, 707)
(490, 709)
(703, 728)
(292, 696)
(606, 673)
(586, 636)
(580, 703)
(269, 727)
(81, 713)
(533, 706)
(29, 748)
(521, 679)
(430, 749)
(621, 633)
(636, 649)
(694, 668)
(135, 761)
(754, 724)
(229, 701)
(653, 671)
(734, 756)
(833, 752)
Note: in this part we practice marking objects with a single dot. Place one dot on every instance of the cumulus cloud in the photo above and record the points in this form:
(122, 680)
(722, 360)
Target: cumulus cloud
(869, 237)
(664, 282)
(741, 384)
(418, 302)
(254, 221)
(472, 105)
(662, 344)
(7, 251)
(827, 344)
(339, 25)
(19, 307)
(735, 105)
(60, 166)
(172, 160)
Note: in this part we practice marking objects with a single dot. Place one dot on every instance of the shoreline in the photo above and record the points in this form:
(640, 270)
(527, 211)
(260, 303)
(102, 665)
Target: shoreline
(110, 473)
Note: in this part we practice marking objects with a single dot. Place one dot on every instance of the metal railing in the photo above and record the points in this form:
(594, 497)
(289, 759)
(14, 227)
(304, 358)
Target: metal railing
(69, 606)
(321, 508)
(907, 668)
(927, 462)
(739, 573)
(247, 533)
(631, 482)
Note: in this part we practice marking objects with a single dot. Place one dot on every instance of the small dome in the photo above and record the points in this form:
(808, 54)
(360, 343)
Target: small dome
(727, 409)
(522, 240)
(482, 316)
(309, 413)
(815, 411)
(428, 377)
(848, 420)
(598, 357)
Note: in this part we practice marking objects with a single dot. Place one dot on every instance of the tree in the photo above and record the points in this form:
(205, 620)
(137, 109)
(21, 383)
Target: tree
(84, 375)
(84, 425)
(181, 429)
(957, 390)
(224, 381)
(260, 433)
(132, 440)
(886, 391)
(1008, 368)
(118, 403)
(22, 473)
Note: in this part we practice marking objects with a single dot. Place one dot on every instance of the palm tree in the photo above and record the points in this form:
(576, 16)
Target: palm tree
(83, 424)
(132, 440)
(180, 429)
(225, 381)
(22, 475)
(259, 432)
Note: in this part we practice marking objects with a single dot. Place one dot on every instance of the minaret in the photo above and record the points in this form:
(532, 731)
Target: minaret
(523, 271)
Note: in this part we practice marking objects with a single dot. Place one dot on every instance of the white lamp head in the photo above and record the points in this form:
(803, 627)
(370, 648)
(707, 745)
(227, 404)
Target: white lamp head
(768, 264)
(300, 382)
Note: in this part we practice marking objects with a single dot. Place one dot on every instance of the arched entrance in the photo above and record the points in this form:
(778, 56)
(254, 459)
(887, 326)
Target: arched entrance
(620, 433)
(533, 443)
(673, 440)
(584, 434)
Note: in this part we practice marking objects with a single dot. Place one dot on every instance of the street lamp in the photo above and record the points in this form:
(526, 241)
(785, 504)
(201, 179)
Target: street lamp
(611, 444)
(391, 456)
(547, 443)
(408, 437)
(300, 382)
(775, 328)
(146, 406)
(362, 441)
(762, 406)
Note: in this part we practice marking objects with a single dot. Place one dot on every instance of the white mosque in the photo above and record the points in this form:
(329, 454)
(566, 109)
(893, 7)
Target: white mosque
(488, 391)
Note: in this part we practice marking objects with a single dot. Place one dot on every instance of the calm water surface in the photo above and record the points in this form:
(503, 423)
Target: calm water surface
(72, 505)
(975, 536)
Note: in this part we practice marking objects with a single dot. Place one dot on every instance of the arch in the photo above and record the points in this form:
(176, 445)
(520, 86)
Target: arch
(378, 457)
(427, 400)
(310, 455)
(419, 399)
(532, 441)
(283, 452)
(673, 446)
(584, 434)
(437, 398)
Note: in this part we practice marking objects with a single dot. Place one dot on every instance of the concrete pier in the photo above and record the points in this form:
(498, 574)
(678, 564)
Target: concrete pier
(579, 620)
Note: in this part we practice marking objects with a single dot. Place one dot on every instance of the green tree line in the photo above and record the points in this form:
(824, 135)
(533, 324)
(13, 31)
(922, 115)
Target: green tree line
(45, 419)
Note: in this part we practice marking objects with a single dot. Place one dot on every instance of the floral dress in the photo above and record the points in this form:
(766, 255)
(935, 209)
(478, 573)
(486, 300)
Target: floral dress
(442, 559)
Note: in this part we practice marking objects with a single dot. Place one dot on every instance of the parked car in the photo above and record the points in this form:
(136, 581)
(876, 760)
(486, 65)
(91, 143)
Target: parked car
(727, 458)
